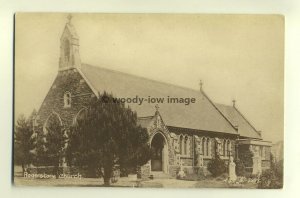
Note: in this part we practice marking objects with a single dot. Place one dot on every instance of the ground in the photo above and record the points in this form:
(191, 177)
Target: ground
(124, 182)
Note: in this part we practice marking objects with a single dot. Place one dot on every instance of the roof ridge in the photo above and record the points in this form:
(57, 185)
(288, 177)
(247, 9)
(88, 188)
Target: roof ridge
(141, 77)
(223, 104)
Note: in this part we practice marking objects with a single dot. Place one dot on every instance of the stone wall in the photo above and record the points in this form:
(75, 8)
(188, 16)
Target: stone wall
(268, 153)
(173, 170)
(266, 164)
(73, 82)
(145, 171)
(187, 161)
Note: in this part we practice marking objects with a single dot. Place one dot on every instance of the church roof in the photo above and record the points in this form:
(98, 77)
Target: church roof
(201, 115)
(245, 128)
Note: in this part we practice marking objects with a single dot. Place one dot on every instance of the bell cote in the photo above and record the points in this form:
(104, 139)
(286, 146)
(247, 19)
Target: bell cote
(69, 48)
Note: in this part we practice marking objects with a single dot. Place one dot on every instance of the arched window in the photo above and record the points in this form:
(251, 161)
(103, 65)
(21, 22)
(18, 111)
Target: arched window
(67, 99)
(222, 147)
(207, 147)
(181, 144)
(225, 148)
(80, 116)
(228, 148)
(203, 146)
(52, 121)
(67, 49)
(185, 145)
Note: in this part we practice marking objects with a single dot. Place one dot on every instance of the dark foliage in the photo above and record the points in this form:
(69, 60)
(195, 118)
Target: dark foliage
(246, 158)
(273, 177)
(240, 168)
(106, 136)
(23, 142)
(216, 166)
(50, 144)
(54, 142)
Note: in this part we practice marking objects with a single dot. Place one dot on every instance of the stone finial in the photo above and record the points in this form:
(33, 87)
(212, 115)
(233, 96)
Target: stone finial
(69, 17)
(156, 107)
(201, 85)
(233, 102)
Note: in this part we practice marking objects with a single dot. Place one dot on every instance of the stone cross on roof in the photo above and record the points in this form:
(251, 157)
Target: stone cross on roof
(69, 17)
(156, 107)
(233, 102)
(201, 84)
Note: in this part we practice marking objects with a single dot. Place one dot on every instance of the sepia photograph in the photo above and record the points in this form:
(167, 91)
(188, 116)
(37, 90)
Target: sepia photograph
(148, 100)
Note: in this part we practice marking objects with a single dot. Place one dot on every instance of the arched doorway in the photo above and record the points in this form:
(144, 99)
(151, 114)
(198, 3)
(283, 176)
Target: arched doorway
(159, 157)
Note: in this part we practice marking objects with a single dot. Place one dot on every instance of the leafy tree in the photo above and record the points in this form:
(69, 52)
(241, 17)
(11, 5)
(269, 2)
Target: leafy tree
(107, 136)
(217, 166)
(23, 142)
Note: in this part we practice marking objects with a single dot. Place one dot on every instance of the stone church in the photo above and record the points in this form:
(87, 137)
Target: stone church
(183, 136)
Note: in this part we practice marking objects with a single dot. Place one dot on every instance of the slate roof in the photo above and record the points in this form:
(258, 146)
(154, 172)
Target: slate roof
(202, 115)
(245, 128)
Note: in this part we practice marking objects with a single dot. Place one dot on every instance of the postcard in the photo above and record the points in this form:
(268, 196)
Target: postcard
(148, 100)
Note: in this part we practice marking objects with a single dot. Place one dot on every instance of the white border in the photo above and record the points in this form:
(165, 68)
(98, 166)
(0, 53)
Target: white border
(289, 8)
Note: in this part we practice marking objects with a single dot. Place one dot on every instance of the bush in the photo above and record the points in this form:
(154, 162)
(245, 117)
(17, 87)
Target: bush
(240, 168)
(278, 169)
(269, 180)
(216, 166)
(272, 178)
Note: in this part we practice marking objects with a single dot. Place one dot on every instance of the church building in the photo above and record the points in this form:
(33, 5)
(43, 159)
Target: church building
(183, 136)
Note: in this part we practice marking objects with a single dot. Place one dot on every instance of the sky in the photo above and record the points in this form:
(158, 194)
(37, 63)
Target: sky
(237, 57)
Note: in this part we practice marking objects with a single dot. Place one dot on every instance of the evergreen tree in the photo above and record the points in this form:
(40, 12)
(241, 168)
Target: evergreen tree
(53, 143)
(40, 157)
(23, 142)
(107, 136)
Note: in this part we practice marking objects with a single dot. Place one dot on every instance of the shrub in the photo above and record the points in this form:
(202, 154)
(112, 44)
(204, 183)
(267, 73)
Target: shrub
(269, 180)
(240, 168)
(278, 169)
(246, 158)
(272, 178)
(216, 166)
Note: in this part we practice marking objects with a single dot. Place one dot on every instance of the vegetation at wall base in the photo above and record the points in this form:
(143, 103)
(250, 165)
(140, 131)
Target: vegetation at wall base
(217, 166)
(272, 178)
(240, 168)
